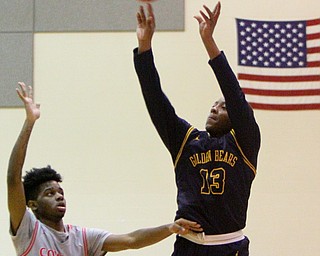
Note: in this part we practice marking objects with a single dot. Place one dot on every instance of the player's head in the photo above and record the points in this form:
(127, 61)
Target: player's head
(43, 192)
(218, 122)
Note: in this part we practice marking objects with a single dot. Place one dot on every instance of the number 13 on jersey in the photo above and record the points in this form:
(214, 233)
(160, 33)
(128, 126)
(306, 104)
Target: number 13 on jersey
(213, 181)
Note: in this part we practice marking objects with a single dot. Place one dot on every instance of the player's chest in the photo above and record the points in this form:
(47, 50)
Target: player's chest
(210, 153)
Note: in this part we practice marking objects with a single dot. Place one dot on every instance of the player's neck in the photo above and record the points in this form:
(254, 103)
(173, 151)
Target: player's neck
(56, 225)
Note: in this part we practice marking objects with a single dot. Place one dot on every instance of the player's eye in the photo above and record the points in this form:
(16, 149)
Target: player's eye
(49, 193)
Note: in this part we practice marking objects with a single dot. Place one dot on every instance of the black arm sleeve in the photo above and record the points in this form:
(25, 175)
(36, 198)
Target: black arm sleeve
(170, 127)
(239, 111)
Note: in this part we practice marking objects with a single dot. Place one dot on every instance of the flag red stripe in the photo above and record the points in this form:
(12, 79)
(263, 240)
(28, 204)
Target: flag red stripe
(313, 22)
(285, 107)
(313, 36)
(313, 50)
(261, 92)
(312, 64)
(279, 79)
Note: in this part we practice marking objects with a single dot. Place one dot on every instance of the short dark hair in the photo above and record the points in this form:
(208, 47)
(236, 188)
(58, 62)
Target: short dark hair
(35, 177)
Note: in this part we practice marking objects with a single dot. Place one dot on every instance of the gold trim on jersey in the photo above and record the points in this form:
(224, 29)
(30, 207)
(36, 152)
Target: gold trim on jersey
(245, 159)
(182, 145)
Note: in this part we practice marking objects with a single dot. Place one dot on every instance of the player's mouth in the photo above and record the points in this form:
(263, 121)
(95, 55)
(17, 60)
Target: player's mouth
(61, 207)
(213, 117)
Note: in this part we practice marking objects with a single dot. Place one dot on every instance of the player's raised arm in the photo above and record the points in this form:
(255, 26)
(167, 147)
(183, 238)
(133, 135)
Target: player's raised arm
(145, 28)
(207, 23)
(148, 236)
(16, 196)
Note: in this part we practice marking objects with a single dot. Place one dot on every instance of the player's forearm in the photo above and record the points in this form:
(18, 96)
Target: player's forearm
(145, 237)
(211, 47)
(16, 196)
(18, 153)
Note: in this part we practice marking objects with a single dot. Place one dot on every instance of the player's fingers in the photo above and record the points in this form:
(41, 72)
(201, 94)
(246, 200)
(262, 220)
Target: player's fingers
(150, 10)
(23, 88)
(198, 18)
(22, 85)
(188, 224)
(210, 14)
(139, 18)
(217, 9)
(196, 228)
(30, 91)
(142, 14)
(204, 16)
(19, 94)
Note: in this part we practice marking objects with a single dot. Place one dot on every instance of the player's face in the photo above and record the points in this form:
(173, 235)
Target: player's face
(218, 122)
(51, 204)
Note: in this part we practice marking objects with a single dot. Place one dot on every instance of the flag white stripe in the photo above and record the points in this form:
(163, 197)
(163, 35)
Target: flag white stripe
(313, 43)
(313, 57)
(313, 29)
(283, 100)
(280, 86)
(278, 71)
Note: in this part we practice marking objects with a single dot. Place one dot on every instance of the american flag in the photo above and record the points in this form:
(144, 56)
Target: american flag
(279, 63)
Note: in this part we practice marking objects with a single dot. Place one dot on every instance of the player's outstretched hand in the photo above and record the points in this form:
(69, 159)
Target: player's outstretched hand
(145, 27)
(183, 226)
(207, 22)
(25, 93)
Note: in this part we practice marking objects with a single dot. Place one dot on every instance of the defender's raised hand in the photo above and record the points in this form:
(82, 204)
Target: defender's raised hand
(145, 27)
(25, 93)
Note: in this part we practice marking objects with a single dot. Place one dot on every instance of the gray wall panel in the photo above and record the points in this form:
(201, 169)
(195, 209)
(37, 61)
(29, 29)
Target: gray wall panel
(16, 15)
(16, 51)
(102, 15)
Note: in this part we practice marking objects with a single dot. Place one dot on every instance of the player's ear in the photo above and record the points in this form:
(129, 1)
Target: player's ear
(33, 205)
